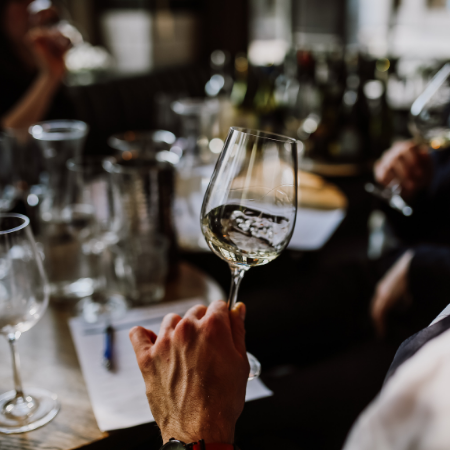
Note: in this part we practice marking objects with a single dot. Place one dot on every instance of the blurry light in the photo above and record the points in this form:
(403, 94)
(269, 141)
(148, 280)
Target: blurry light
(202, 141)
(436, 143)
(350, 98)
(218, 57)
(383, 65)
(310, 125)
(166, 156)
(267, 52)
(164, 136)
(37, 131)
(218, 81)
(177, 150)
(127, 156)
(214, 85)
(300, 149)
(241, 64)
(33, 200)
(373, 89)
(216, 145)
(39, 5)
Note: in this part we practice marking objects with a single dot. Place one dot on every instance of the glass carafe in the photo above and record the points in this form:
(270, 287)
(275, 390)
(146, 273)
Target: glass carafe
(59, 141)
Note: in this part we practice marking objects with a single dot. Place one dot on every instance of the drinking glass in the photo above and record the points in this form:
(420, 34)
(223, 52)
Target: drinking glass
(429, 123)
(250, 207)
(8, 181)
(23, 299)
(91, 218)
(59, 141)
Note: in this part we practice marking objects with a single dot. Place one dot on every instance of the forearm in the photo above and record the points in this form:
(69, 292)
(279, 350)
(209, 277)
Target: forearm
(32, 107)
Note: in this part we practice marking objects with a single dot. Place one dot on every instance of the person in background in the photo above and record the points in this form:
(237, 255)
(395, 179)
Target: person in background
(32, 67)
(420, 277)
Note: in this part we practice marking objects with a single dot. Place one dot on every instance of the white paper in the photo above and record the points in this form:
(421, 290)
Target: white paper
(118, 398)
(314, 227)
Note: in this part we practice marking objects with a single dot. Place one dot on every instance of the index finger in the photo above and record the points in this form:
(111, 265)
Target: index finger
(218, 308)
(142, 339)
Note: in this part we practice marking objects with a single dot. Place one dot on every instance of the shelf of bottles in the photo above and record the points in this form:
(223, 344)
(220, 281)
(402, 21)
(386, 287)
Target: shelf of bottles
(334, 101)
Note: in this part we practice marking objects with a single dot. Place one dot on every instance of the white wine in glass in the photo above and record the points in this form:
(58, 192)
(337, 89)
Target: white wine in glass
(24, 295)
(250, 207)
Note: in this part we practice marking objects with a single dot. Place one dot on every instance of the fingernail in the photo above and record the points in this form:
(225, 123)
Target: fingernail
(241, 310)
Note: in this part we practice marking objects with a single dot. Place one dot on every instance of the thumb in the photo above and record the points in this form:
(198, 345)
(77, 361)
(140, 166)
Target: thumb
(237, 317)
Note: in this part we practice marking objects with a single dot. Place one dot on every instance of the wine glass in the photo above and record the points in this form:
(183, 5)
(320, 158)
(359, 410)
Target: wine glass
(429, 123)
(24, 296)
(250, 206)
(430, 112)
(91, 212)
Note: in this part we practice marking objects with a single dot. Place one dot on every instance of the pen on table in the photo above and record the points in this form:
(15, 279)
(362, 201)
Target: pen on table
(108, 353)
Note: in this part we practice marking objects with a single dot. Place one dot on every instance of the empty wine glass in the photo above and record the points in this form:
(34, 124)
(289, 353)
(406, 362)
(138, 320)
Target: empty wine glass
(430, 112)
(24, 296)
(250, 207)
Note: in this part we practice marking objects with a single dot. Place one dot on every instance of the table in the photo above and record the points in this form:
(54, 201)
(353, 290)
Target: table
(49, 361)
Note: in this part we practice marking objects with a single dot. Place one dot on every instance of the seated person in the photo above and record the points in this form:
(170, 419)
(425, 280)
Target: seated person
(423, 270)
(32, 62)
(196, 372)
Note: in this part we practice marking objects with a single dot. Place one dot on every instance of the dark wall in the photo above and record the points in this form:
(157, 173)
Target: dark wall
(225, 26)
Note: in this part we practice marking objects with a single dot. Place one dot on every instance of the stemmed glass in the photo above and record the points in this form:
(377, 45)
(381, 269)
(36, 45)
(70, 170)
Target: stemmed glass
(250, 206)
(429, 123)
(23, 299)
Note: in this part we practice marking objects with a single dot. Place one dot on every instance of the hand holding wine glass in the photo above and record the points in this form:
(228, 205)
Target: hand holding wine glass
(406, 167)
(24, 296)
(250, 207)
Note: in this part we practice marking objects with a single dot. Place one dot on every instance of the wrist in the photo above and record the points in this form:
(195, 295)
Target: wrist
(216, 436)
(175, 444)
(50, 79)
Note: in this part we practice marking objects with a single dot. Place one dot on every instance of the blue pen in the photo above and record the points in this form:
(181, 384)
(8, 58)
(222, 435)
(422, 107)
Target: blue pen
(108, 354)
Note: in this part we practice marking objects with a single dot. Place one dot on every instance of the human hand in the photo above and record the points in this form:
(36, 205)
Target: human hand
(406, 163)
(195, 372)
(391, 290)
(49, 47)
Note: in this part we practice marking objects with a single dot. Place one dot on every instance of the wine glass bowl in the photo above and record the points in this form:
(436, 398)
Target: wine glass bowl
(250, 207)
(24, 295)
(430, 113)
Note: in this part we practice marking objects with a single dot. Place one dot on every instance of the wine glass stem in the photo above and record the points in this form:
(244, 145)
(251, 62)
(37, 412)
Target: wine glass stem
(237, 273)
(16, 365)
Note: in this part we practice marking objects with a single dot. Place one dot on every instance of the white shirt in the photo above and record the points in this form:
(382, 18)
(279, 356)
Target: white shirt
(412, 411)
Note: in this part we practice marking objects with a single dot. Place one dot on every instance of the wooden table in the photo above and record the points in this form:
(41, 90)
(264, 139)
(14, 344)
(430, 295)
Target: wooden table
(49, 361)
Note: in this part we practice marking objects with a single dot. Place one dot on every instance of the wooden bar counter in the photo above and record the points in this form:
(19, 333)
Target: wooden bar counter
(49, 361)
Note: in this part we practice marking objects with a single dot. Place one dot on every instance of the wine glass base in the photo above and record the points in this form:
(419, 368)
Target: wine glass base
(47, 406)
(255, 367)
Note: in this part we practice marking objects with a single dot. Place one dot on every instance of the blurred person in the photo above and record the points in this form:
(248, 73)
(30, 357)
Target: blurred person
(420, 276)
(33, 67)
(412, 409)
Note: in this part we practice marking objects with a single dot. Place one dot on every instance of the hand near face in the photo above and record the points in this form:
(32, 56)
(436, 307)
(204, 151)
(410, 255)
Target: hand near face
(195, 372)
(407, 164)
(391, 290)
(49, 47)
